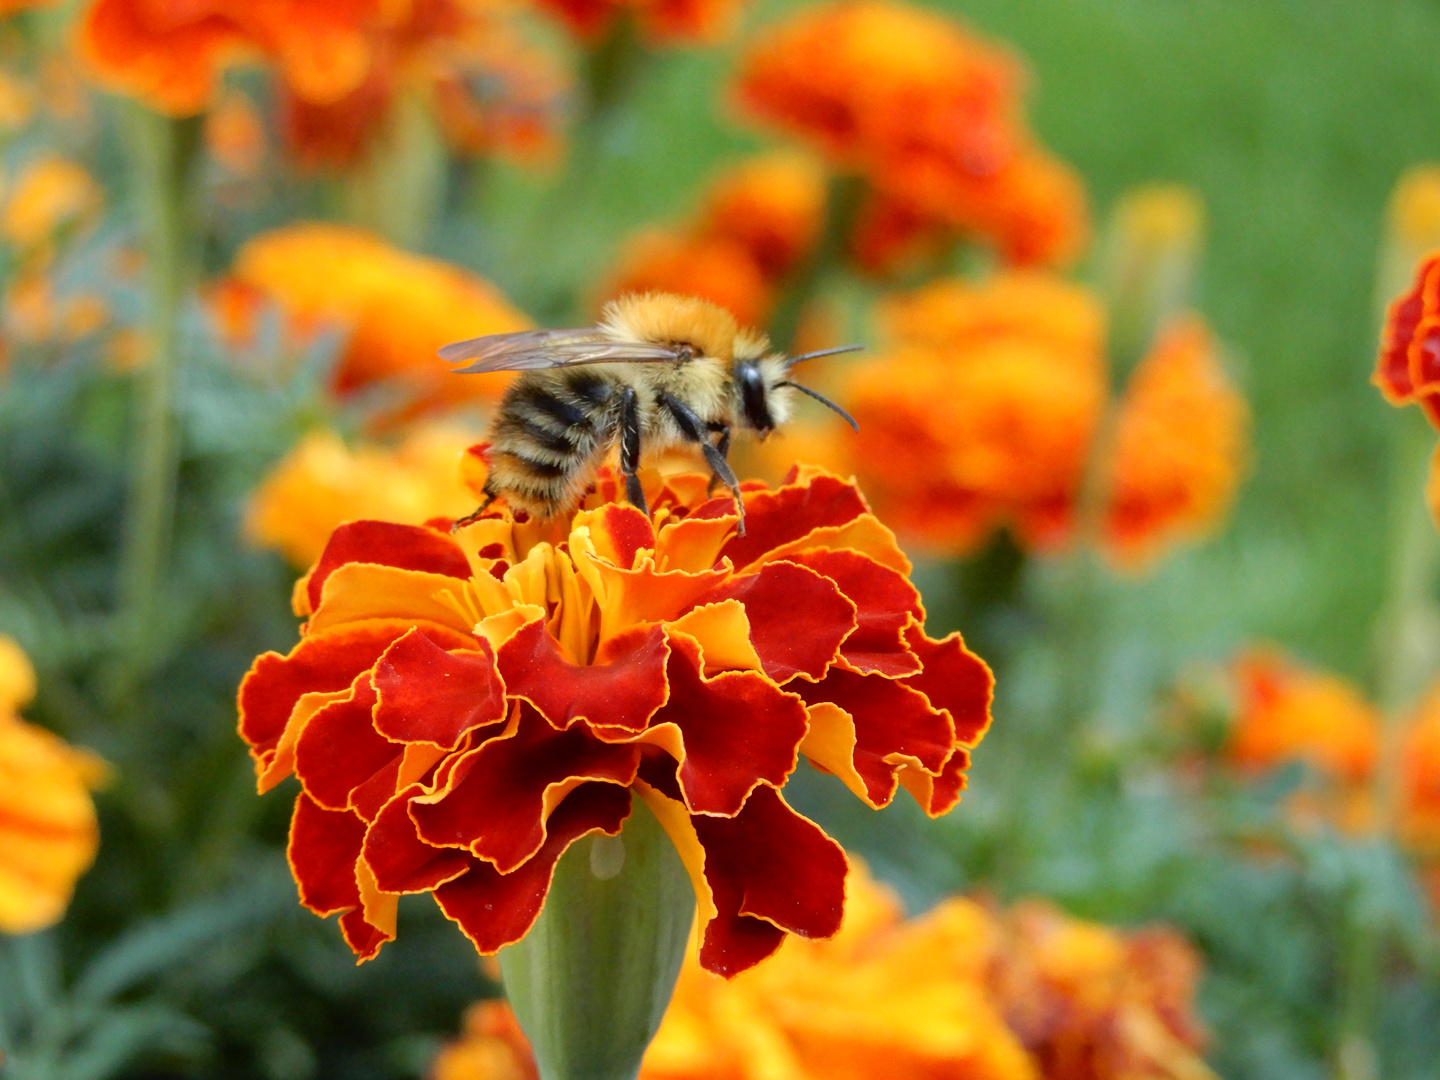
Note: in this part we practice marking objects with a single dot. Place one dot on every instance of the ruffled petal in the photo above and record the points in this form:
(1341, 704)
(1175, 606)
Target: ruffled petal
(399, 859)
(619, 533)
(340, 750)
(937, 795)
(739, 731)
(495, 909)
(774, 519)
(622, 691)
(426, 694)
(771, 872)
(955, 680)
(894, 726)
(408, 547)
(501, 794)
(886, 603)
(798, 618)
(324, 845)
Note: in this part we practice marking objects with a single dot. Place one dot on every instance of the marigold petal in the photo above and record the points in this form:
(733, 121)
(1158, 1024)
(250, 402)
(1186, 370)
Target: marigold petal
(772, 872)
(494, 909)
(778, 518)
(619, 533)
(894, 726)
(798, 618)
(339, 750)
(502, 793)
(693, 543)
(726, 761)
(886, 603)
(623, 690)
(427, 694)
(358, 591)
(399, 859)
(409, 547)
(279, 763)
(937, 795)
(723, 631)
(955, 680)
(324, 845)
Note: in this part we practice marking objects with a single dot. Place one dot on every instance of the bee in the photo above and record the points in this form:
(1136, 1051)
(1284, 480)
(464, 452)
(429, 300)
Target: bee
(658, 371)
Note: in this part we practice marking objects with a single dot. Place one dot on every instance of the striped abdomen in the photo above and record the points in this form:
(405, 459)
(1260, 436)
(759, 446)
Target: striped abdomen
(551, 432)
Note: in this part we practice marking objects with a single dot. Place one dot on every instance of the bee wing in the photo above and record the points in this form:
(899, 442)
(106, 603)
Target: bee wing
(533, 350)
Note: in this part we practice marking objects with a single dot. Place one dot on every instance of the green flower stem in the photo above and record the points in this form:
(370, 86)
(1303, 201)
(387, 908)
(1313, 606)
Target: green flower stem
(163, 153)
(842, 203)
(592, 979)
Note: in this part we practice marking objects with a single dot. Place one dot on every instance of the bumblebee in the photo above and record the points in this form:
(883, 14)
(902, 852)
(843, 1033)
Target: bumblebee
(658, 371)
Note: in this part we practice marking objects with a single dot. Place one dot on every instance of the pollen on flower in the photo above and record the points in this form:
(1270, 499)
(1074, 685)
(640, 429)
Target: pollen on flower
(48, 832)
(461, 709)
(965, 990)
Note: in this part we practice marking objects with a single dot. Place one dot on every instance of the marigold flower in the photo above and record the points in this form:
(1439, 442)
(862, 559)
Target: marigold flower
(1286, 713)
(459, 710)
(323, 483)
(48, 834)
(50, 193)
(1180, 446)
(1408, 370)
(171, 56)
(964, 990)
(982, 412)
(398, 308)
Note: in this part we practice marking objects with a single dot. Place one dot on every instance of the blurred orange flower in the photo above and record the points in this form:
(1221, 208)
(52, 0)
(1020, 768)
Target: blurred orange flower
(930, 115)
(396, 309)
(1408, 369)
(1286, 712)
(49, 194)
(1420, 778)
(661, 22)
(982, 411)
(48, 833)
(323, 483)
(963, 991)
(171, 55)
(235, 134)
(755, 224)
(1180, 446)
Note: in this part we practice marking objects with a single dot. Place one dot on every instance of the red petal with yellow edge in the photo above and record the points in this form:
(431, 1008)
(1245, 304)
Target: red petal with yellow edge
(1392, 373)
(429, 695)
(620, 533)
(363, 938)
(324, 845)
(740, 731)
(773, 518)
(892, 723)
(339, 750)
(399, 859)
(494, 909)
(798, 618)
(1425, 357)
(938, 795)
(886, 603)
(409, 547)
(771, 871)
(622, 692)
(324, 662)
(955, 680)
(501, 794)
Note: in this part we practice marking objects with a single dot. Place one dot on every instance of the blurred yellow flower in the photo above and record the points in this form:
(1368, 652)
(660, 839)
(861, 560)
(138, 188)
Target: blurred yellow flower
(963, 991)
(1180, 447)
(17, 101)
(322, 482)
(49, 194)
(395, 308)
(48, 833)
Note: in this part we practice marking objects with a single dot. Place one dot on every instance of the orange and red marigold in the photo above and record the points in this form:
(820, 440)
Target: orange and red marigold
(460, 709)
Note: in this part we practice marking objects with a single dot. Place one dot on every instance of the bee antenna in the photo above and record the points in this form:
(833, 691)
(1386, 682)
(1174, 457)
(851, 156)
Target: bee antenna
(824, 400)
(822, 352)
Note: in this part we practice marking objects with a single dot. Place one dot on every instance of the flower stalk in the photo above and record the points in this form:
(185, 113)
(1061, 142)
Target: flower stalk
(164, 151)
(592, 979)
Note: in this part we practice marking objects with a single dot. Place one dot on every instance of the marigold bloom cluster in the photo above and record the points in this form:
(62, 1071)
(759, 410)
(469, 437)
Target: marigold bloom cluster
(964, 990)
(930, 115)
(460, 709)
(1408, 370)
(48, 833)
(395, 309)
(983, 413)
(755, 225)
(322, 483)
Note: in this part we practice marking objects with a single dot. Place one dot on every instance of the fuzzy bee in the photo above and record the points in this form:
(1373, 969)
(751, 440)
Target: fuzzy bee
(657, 372)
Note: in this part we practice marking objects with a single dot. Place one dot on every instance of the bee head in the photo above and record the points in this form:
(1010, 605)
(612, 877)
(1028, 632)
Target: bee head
(764, 397)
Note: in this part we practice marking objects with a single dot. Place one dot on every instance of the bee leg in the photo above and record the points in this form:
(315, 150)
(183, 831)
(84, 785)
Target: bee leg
(723, 448)
(630, 449)
(693, 428)
(471, 518)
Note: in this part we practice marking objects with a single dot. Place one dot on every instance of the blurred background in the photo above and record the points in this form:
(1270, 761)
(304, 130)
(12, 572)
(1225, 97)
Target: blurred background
(1117, 408)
